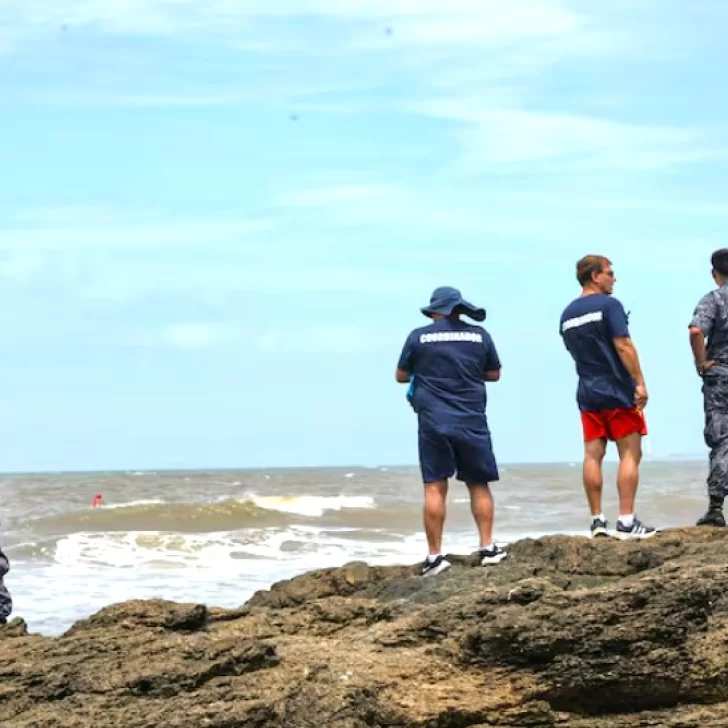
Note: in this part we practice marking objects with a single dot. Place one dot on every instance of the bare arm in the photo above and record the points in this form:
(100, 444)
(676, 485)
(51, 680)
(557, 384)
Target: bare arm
(628, 354)
(697, 344)
(492, 376)
(402, 376)
(701, 328)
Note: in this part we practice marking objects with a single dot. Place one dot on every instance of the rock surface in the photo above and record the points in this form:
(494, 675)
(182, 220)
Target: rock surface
(566, 631)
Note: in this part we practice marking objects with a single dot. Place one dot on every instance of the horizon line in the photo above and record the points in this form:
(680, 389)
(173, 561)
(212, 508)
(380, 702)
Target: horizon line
(384, 466)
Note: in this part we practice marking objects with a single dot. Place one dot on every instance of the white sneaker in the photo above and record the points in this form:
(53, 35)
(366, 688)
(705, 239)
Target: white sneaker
(492, 556)
(637, 530)
(430, 568)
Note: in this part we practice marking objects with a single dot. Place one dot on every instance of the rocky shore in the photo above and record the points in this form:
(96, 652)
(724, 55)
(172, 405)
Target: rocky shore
(566, 631)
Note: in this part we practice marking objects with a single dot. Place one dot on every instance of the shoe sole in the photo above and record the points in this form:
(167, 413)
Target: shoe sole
(600, 533)
(488, 560)
(633, 537)
(444, 566)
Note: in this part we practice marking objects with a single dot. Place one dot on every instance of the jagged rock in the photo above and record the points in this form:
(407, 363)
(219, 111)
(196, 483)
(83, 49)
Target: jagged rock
(15, 628)
(566, 631)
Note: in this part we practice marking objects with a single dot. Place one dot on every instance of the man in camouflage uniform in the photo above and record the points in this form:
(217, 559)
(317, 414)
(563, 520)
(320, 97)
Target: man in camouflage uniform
(6, 603)
(710, 321)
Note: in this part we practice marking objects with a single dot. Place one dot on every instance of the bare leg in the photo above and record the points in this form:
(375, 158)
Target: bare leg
(481, 506)
(630, 455)
(594, 451)
(434, 514)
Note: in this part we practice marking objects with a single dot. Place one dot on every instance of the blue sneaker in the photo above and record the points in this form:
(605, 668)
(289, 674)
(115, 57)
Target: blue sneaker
(637, 530)
(431, 568)
(599, 528)
(492, 556)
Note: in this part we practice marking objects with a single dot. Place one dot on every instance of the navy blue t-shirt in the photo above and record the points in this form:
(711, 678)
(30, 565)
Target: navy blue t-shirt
(588, 326)
(448, 359)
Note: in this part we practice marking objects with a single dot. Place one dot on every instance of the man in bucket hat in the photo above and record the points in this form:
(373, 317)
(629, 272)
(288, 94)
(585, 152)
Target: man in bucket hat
(446, 364)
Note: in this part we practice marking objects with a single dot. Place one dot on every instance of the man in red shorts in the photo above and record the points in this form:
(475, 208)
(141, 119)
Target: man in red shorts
(611, 392)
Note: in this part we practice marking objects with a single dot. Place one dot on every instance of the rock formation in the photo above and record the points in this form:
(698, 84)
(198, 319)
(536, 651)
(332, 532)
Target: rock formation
(566, 631)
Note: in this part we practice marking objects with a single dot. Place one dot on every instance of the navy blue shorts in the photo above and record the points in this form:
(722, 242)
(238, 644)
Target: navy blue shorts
(465, 453)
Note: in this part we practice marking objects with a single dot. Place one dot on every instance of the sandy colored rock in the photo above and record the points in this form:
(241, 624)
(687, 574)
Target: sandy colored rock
(566, 631)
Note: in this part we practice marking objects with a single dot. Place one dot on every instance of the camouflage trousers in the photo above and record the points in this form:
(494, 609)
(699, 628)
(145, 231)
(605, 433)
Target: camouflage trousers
(6, 603)
(715, 401)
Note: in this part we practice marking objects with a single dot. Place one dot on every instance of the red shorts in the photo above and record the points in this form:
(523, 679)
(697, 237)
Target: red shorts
(613, 424)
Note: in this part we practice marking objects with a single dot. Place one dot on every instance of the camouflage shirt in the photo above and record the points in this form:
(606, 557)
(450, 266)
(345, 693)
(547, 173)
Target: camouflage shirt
(711, 316)
(6, 603)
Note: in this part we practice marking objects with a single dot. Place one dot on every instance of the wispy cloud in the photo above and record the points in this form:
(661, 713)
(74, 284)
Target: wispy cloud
(5, 44)
(196, 335)
(285, 274)
(21, 267)
(324, 339)
(64, 215)
(150, 235)
(487, 22)
(143, 99)
(336, 194)
(510, 136)
(332, 338)
(427, 43)
(490, 18)
(425, 208)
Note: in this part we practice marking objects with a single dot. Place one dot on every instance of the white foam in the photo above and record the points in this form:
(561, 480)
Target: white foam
(249, 552)
(143, 550)
(221, 568)
(309, 505)
(132, 504)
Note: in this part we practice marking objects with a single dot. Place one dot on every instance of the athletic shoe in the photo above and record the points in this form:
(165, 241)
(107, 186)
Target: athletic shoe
(599, 528)
(430, 568)
(714, 517)
(492, 556)
(637, 530)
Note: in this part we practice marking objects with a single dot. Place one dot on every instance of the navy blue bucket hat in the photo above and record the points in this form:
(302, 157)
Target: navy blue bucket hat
(446, 300)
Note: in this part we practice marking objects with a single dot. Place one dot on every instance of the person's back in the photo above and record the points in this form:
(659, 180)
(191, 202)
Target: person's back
(710, 321)
(447, 364)
(611, 392)
(589, 325)
(448, 359)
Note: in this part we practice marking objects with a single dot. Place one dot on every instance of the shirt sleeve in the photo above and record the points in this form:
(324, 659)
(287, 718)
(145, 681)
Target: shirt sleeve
(616, 318)
(705, 314)
(406, 358)
(492, 360)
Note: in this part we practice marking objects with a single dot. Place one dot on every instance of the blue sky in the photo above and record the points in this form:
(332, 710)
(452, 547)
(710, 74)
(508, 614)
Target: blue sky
(219, 219)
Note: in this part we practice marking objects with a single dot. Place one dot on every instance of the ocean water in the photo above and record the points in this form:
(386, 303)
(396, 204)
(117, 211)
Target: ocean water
(217, 537)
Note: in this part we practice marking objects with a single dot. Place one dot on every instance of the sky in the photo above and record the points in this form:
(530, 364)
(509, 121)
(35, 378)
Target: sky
(219, 220)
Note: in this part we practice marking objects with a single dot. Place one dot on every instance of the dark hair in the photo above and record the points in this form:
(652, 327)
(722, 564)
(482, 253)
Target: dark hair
(589, 265)
(719, 260)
